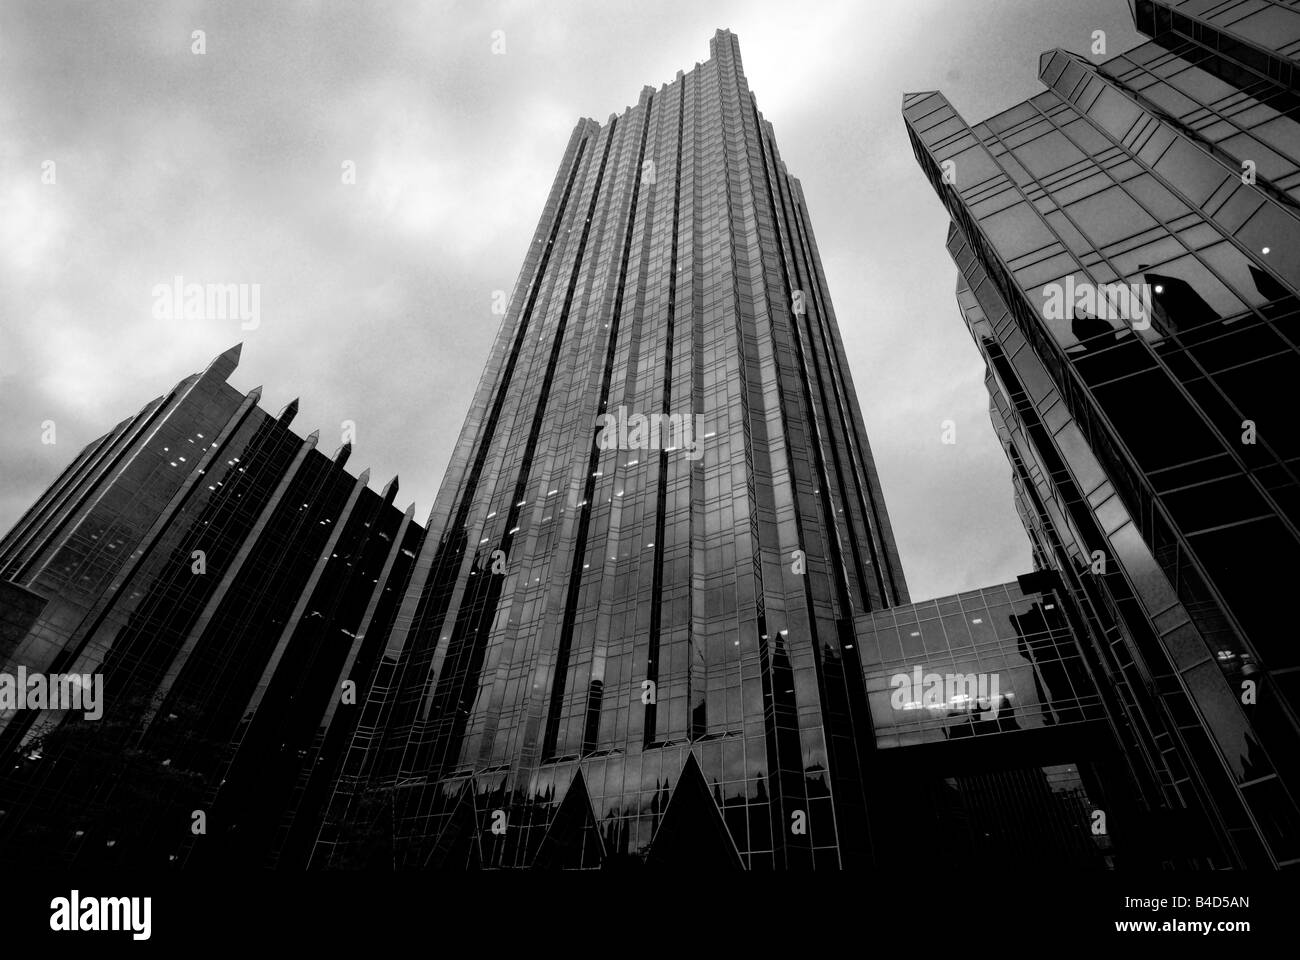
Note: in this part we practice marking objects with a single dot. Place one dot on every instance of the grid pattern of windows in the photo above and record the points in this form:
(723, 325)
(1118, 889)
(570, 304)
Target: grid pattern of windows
(653, 605)
(1155, 451)
(225, 579)
(994, 660)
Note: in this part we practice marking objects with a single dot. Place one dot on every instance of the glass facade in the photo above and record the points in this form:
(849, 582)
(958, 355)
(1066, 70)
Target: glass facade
(657, 615)
(226, 579)
(1017, 643)
(994, 741)
(1154, 447)
(665, 627)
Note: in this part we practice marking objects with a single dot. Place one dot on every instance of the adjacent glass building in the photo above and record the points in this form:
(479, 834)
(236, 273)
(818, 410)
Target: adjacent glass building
(993, 742)
(230, 583)
(1153, 439)
(657, 615)
(615, 641)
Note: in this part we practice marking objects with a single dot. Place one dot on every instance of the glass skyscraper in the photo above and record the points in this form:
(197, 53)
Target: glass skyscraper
(232, 586)
(1128, 243)
(657, 615)
(630, 632)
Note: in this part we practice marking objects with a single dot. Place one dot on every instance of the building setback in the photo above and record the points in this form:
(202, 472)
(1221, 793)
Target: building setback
(1153, 435)
(226, 579)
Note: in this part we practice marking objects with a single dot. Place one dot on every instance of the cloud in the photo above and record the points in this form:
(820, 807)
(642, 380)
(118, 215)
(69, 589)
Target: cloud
(226, 168)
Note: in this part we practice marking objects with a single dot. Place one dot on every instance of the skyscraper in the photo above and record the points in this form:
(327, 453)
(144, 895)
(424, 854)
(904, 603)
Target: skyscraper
(629, 634)
(231, 586)
(658, 616)
(1128, 243)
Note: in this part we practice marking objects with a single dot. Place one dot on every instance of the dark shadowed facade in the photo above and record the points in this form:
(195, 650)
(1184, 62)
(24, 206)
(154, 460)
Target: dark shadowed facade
(227, 580)
(1155, 452)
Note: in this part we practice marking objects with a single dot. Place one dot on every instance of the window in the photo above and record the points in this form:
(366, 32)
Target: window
(1272, 230)
(1048, 154)
(1109, 216)
(1193, 172)
(1016, 230)
(1156, 198)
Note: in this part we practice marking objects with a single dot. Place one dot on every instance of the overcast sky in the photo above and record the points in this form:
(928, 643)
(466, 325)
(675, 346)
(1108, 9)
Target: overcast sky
(376, 296)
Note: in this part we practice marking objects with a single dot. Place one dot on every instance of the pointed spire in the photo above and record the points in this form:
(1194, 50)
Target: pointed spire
(410, 511)
(255, 394)
(313, 438)
(223, 364)
(342, 453)
(290, 411)
(389, 492)
(365, 477)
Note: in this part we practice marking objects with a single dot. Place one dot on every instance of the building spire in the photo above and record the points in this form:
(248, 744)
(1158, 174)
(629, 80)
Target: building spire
(224, 364)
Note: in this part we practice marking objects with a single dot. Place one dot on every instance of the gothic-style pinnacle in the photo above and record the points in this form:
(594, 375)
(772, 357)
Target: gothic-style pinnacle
(230, 356)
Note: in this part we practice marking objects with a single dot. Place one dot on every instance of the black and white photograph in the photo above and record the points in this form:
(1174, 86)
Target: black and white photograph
(452, 450)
